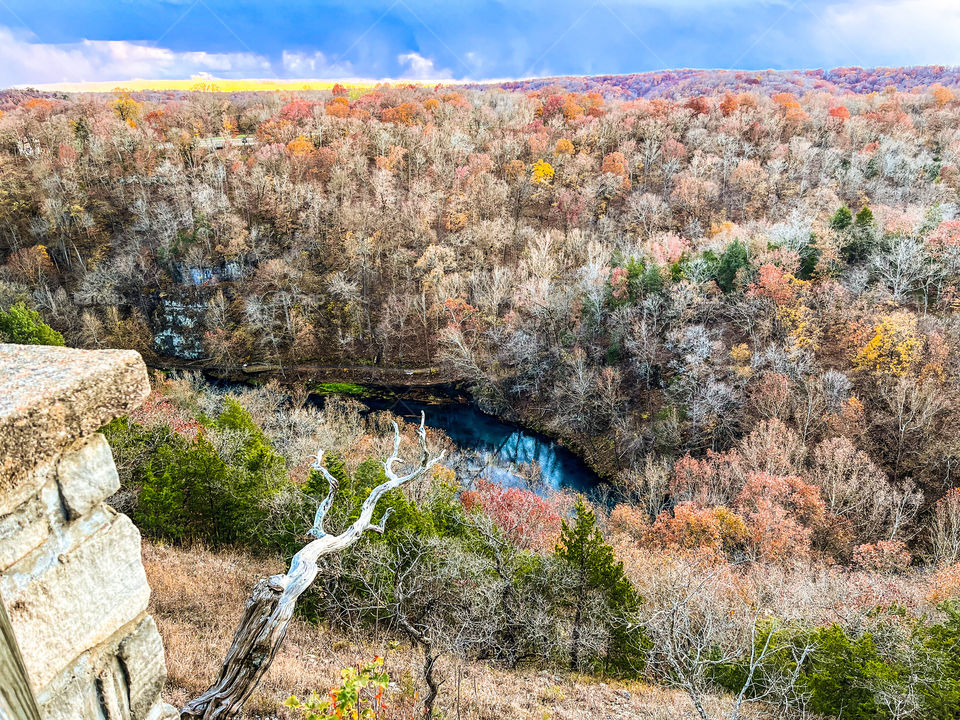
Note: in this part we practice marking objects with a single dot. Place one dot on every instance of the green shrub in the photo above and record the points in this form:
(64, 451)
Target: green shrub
(359, 696)
(22, 325)
(847, 675)
(189, 490)
(340, 388)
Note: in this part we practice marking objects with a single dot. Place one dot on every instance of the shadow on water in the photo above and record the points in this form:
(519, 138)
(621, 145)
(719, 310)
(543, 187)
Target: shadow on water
(493, 449)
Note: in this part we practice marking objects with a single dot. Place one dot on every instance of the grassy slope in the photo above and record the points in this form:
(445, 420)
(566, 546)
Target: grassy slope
(198, 597)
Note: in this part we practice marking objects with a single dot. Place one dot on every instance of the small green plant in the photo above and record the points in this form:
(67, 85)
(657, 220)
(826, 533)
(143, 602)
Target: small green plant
(553, 694)
(359, 697)
(340, 388)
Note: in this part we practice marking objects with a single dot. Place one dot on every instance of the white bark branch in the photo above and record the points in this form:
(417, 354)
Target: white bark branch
(270, 606)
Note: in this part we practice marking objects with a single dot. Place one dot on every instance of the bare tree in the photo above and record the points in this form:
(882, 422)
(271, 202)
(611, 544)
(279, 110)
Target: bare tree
(270, 606)
(701, 620)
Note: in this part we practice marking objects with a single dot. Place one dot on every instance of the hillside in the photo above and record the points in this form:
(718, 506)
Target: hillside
(740, 308)
(681, 83)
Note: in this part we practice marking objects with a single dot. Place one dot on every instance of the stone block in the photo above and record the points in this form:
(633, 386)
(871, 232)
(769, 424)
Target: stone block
(61, 605)
(50, 397)
(163, 711)
(141, 655)
(23, 530)
(87, 475)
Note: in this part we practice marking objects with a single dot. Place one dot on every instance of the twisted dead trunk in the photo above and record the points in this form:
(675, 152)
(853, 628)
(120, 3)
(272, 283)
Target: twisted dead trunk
(258, 637)
(271, 604)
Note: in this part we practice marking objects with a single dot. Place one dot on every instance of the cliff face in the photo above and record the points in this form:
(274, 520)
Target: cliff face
(71, 577)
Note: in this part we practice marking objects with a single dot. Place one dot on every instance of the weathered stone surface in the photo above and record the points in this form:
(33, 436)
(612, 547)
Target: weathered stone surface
(71, 577)
(141, 655)
(22, 531)
(50, 397)
(62, 605)
(121, 679)
(74, 700)
(163, 711)
(87, 475)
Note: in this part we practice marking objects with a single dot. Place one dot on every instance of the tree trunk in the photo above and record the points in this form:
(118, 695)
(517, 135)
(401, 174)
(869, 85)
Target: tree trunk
(255, 644)
(575, 635)
(271, 604)
(433, 687)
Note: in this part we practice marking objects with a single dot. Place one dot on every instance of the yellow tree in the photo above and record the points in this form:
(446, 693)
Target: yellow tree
(895, 347)
(542, 173)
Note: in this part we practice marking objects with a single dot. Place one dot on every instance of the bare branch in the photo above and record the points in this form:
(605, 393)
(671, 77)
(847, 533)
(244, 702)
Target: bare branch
(323, 508)
(383, 522)
(270, 607)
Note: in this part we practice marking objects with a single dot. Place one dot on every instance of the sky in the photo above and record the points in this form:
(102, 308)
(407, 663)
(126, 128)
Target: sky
(52, 41)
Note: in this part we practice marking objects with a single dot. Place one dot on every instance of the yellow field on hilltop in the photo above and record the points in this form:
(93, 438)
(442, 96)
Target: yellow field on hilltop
(211, 85)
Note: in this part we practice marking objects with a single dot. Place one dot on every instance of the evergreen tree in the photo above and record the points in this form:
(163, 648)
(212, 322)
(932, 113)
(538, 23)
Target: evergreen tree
(732, 259)
(859, 241)
(22, 325)
(841, 219)
(597, 571)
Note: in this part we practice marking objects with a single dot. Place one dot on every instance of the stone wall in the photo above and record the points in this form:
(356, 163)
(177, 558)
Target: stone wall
(71, 577)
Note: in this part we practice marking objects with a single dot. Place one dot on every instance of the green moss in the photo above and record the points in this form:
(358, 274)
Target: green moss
(340, 388)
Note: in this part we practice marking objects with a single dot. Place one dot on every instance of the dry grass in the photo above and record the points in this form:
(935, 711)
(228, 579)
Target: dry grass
(198, 597)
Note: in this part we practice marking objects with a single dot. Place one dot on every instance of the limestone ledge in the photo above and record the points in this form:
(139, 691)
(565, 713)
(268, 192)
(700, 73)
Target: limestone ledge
(121, 678)
(71, 577)
(49, 398)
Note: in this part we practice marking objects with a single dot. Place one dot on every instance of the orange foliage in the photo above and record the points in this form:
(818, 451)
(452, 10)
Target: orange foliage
(783, 512)
(693, 527)
(840, 112)
(300, 147)
(941, 95)
(886, 556)
(338, 107)
(730, 104)
(563, 147)
(615, 164)
(773, 283)
(785, 100)
(404, 114)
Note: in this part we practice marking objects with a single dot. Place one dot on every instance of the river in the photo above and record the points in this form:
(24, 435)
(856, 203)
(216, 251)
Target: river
(496, 450)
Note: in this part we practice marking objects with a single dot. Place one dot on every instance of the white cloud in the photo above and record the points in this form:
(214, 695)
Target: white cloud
(893, 32)
(313, 65)
(25, 62)
(417, 67)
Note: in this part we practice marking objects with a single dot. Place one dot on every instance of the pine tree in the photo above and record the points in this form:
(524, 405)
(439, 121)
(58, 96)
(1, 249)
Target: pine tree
(732, 259)
(22, 325)
(593, 563)
(841, 218)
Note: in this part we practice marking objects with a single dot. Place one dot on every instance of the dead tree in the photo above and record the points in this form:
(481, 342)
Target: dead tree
(270, 606)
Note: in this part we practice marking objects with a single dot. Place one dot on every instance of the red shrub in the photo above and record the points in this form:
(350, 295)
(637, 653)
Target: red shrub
(529, 521)
(886, 556)
(782, 512)
(157, 410)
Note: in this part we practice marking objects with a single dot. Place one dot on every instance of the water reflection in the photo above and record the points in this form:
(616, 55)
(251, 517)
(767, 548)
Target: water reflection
(496, 450)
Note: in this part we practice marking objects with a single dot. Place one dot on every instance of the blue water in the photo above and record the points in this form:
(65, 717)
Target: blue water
(496, 450)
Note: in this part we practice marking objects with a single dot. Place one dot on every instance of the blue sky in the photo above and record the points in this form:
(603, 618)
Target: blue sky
(44, 41)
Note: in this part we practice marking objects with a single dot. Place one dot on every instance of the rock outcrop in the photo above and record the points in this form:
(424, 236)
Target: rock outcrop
(71, 577)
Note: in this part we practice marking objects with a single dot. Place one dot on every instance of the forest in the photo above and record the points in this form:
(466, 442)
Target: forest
(734, 300)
